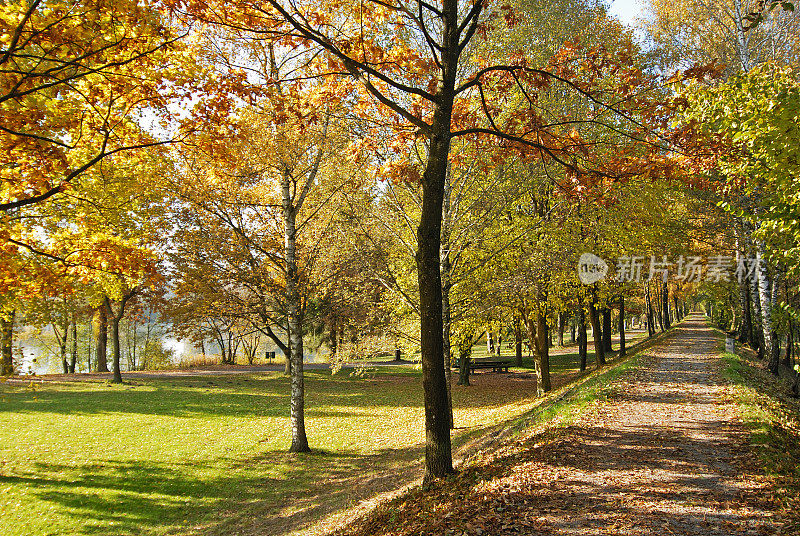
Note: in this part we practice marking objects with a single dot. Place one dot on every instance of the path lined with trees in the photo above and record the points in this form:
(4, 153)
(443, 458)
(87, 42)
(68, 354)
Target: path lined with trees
(666, 453)
(262, 181)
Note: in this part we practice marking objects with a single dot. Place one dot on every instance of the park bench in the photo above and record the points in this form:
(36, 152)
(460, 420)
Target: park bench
(497, 364)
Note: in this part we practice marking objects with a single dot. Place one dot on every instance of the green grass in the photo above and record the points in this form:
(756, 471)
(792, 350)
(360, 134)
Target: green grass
(572, 400)
(207, 455)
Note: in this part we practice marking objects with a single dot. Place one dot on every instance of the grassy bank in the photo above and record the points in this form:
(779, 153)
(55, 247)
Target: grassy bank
(421, 511)
(772, 419)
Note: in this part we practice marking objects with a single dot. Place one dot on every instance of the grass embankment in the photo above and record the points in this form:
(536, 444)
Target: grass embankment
(772, 418)
(427, 511)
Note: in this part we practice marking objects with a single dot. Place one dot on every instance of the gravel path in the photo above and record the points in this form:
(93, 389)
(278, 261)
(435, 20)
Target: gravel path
(666, 454)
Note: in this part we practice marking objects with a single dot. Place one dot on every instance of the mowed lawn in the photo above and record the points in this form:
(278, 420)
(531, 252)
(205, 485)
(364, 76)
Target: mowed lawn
(207, 455)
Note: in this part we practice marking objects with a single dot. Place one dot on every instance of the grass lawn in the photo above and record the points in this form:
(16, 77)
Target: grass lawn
(206, 455)
(631, 337)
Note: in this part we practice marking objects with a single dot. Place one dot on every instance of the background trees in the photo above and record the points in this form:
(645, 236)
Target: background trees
(754, 116)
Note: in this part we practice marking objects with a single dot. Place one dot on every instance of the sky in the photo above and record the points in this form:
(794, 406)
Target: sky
(627, 10)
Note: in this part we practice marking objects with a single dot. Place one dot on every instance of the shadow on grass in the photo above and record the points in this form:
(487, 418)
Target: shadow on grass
(219, 497)
(173, 402)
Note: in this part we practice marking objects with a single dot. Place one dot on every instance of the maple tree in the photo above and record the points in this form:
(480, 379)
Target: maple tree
(82, 83)
(95, 245)
(72, 77)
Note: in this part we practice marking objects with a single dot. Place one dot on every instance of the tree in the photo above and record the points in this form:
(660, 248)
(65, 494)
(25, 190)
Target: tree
(742, 35)
(100, 332)
(115, 310)
(753, 121)
(258, 190)
(72, 77)
(706, 31)
(7, 315)
(56, 313)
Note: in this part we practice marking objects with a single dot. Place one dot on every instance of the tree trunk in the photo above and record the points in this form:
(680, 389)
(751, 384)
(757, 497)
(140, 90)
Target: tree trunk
(746, 328)
(622, 326)
(774, 343)
(7, 342)
(90, 346)
(676, 316)
(446, 285)
(764, 296)
(293, 310)
(220, 340)
(651, 329)
(582, 338)
(542, 355)
(659, 309)
(115, 318)
(438, 453)
(665, 304)
(62, 337)
(233, 348)
(115, 350)
(287, 352)
(517, 342)
(607, 329)
(464, 355)
(599, 349)
(100, 324)
(334, 340)
(561, 322)
(757, 338)
(790, 330)
(74, 358)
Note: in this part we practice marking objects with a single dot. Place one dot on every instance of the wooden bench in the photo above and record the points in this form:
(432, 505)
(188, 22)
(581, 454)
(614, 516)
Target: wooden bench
(497, 364)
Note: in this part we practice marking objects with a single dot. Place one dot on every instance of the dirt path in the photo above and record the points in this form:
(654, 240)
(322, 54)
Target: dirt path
(665, 455)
